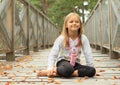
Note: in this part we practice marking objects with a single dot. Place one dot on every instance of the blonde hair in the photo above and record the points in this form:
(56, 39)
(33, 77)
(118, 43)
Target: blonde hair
(65, 30)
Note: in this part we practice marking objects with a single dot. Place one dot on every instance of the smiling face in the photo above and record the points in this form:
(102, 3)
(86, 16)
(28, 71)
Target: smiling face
(72, 27)
(73, 23)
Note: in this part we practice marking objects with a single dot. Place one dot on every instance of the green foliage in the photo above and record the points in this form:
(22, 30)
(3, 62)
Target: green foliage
(36, 3)
(92, 4)
(58, 9)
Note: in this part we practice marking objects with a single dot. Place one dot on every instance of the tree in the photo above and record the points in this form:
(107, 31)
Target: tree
(60, 8)
(57, 9)
(36, 3)
(44, 5)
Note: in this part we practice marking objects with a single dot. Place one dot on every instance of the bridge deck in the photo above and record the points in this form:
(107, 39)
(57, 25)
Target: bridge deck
(24, 70)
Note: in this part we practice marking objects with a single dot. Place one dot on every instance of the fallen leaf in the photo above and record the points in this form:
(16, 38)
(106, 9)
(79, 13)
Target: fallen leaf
(118, 65)
(113, 69)
(50, 80)
(24, 78)
(98, 74)
(101, 70)
(5, 73)
(79, 80)
(13, 77)
(1, 72)
(34, 70)
(7, 83)
(86, 77)
(115, 77)
(57, 82)
(8, 67)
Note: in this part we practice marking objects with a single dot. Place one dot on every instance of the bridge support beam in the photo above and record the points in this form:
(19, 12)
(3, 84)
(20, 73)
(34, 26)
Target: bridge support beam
(10, 56)
(26, 51)
(36, 49)
(92, 45)
(114, 55)
(97, 47)
(104, 50)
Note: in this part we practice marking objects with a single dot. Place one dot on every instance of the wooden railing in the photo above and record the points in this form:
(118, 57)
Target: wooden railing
(103, 27)
(23, 27)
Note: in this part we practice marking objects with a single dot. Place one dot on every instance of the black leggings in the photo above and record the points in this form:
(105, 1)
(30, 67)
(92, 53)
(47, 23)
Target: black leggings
(65, 69)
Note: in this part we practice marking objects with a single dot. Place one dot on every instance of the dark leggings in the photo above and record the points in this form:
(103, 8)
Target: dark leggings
(65, 69)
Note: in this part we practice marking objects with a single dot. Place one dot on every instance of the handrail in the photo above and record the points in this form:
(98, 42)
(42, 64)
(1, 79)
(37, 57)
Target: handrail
(103, 27)
(24, 27)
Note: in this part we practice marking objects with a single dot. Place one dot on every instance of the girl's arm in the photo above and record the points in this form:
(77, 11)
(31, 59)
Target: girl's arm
(54, 53)
(87, 51)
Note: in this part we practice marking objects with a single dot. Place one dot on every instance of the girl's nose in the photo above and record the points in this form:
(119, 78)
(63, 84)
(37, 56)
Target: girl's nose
(74, 22)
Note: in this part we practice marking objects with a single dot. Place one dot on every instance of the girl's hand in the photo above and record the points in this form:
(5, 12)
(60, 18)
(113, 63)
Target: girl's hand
(52, 72)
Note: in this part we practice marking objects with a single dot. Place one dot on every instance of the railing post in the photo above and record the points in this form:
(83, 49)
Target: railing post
(43, 29)
(95, 33)
(113, 55)
(110, 32)
(101, 35)
(36, 48)
(94, 38)
(26, 51)
(101, 27)
(47, 35)
(11, 55)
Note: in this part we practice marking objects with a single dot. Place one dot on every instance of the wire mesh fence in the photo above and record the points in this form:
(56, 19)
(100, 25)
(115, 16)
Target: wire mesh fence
(103, 26)
(23, 27)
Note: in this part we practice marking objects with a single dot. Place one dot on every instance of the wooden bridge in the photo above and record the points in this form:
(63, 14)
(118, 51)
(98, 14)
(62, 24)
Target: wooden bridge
(26, 37)
(24, 69)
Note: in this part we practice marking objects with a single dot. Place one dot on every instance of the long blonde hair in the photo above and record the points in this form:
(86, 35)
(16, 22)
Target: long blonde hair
(65, 30)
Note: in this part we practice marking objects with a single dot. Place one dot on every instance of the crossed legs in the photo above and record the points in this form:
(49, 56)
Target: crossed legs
(65, 69)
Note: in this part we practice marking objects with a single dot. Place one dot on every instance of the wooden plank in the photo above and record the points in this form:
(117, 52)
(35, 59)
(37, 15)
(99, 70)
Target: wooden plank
(39, 61)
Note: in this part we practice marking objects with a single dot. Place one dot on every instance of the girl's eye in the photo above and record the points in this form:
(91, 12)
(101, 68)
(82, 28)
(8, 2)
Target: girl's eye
(74, 21)
(71, 21)
(77, 21)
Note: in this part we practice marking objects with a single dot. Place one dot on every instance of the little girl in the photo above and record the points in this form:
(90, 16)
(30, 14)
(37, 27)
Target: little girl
(64, 58)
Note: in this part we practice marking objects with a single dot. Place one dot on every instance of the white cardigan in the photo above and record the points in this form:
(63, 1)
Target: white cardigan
(59, 52)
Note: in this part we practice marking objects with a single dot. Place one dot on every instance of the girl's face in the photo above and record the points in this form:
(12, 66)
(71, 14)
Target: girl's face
(73, 23)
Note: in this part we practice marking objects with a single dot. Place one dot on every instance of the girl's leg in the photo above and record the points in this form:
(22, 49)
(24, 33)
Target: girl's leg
(64, 68)
(83, 70)
(75, 73)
